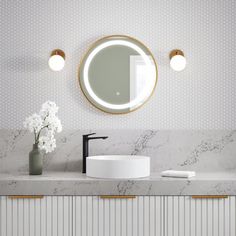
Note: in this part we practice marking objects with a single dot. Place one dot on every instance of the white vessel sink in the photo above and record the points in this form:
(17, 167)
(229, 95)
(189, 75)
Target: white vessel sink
(118, 166)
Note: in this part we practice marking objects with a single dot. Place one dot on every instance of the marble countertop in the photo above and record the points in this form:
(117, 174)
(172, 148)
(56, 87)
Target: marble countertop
(74, 183)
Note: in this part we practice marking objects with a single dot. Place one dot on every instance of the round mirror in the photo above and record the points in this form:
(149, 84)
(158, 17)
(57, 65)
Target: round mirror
(118, 74)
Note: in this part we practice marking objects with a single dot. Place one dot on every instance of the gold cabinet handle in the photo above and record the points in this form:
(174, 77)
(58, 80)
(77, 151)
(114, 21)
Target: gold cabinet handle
(117, 196)
(26, 197)
(209, 196)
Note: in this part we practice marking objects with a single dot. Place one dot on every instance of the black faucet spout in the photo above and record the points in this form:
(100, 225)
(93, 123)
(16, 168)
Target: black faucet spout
(102, 137)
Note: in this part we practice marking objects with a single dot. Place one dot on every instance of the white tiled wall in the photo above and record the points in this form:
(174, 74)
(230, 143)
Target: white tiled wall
(201, 97)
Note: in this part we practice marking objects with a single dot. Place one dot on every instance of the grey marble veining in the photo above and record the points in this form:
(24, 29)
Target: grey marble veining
(74, 183)
(212, 154)
(204, 151)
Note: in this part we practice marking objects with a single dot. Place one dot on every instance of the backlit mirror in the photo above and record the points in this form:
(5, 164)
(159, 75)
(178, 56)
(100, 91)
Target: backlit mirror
(118, 74)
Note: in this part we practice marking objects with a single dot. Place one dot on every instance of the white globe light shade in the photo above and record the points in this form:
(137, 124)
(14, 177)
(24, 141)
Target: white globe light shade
(56, 62)
(178, 62)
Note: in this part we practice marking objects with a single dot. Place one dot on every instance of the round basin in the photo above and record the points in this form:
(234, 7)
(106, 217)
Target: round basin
(118, 166)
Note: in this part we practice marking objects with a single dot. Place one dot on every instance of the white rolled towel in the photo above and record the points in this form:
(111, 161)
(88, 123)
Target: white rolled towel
(178, 174)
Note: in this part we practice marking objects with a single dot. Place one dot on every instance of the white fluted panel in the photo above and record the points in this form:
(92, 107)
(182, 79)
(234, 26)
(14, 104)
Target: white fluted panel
(185, 216)
(140, 216)
(49, 216)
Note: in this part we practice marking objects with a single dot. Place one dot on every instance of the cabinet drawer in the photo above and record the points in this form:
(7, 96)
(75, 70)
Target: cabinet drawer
(185, 215)
(36, 216)
(95, 216)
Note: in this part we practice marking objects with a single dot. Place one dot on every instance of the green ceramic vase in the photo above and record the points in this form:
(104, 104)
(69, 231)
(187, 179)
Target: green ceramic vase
(35, 161)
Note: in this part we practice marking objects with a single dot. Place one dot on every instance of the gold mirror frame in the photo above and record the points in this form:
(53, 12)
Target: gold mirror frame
(96, 43)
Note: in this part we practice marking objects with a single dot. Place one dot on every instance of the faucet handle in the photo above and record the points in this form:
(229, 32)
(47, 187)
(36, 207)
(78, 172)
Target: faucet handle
(86, 135)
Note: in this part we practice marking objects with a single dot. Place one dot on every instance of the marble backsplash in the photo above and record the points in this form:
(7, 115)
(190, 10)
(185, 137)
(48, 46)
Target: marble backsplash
(205, 151)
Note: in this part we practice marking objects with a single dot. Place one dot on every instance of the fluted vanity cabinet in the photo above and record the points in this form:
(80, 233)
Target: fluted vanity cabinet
(36, 216)
(106, 216)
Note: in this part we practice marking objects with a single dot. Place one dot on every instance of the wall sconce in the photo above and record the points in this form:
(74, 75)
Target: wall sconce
(57, 60)
(177, 60)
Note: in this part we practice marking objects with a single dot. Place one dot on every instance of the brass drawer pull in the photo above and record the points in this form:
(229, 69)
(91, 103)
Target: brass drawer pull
(209, 196)
(117, 197)
(26, 197)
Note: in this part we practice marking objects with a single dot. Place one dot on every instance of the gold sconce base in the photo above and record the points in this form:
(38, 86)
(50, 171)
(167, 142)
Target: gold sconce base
(58, 52)
(176, 52)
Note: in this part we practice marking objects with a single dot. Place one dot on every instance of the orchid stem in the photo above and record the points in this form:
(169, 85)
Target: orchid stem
(37, 139)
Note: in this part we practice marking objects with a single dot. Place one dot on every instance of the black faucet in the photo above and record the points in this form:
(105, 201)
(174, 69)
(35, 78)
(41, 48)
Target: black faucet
(86, 139)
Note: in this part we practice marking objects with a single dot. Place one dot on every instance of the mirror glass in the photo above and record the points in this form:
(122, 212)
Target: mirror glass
(118, 74)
